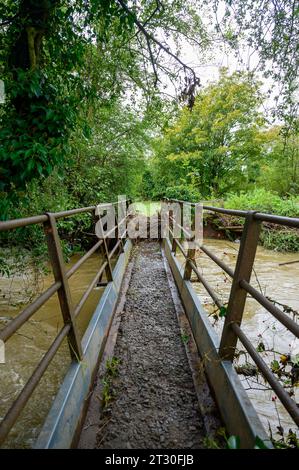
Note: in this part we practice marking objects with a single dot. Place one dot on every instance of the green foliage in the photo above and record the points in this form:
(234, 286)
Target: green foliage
(59, 59)
(182, 192)
(147, 185)
(233, 442)
(264, 201)
(112, 366)
(111, 372)
(4, 267)
(215, 147)
(247, 21)
(260, 444)
(281, 157)
(280, 240)
(223, 312)
(185, 338)
(287, 441)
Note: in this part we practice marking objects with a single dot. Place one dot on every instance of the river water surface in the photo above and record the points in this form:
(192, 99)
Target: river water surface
(26, 348)
(279, 282)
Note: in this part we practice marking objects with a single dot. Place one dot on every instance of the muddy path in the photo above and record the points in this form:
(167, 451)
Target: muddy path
(147, 394)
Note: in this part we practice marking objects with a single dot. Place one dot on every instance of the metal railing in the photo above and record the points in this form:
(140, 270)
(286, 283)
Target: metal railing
(62, 288)
(241, 286)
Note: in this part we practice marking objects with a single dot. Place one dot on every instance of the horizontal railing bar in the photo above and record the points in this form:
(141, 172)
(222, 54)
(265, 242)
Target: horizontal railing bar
(284, 397)
(116, 226)
(84, 297)
(273, 218)
(206, 285)
(117, 244)
(180, 201)
(181, 248)
(185, 231)
(16, 223)
(275, 311)
(277, 219)
(179, 244)
(19, 404)
(38, 219)
(114, 249)
(221, 210)
(82, 260)
(69, 213)
(218, 261)
(18, 321)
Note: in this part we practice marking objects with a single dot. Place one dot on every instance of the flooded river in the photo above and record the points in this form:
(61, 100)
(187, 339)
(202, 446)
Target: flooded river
(279, 282)
(25, 349)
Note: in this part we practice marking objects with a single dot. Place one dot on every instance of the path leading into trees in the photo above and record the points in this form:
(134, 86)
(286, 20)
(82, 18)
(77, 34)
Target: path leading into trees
(157, 397)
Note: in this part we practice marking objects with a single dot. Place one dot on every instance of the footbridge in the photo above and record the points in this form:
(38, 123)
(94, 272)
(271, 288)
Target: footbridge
(134, 381)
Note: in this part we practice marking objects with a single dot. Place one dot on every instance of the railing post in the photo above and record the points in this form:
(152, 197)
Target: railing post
(118, 235)
(105, 253)
(64, 295)
(188, 268)
(190, 253)
(171, 225)
(159, 225)
(237, 297)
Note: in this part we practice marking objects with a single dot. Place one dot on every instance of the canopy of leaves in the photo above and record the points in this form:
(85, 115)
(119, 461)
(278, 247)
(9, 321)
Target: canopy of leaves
(218, 143)
(271, 28)
(60, 57)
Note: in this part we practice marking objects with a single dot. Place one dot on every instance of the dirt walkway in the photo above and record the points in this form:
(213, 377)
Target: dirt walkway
(154, 401)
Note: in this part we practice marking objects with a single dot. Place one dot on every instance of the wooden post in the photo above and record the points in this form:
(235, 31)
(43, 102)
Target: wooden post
(237, 297)
(64, 295)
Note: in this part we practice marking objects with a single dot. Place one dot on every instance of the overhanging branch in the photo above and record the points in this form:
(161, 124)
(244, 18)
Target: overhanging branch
(149, 37)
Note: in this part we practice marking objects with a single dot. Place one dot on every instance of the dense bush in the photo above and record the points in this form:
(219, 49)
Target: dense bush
(278, 237)
(280, 240)
(183, 193)
(264, 201)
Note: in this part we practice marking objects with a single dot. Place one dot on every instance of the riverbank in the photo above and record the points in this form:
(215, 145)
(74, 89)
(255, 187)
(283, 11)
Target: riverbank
(273, 236)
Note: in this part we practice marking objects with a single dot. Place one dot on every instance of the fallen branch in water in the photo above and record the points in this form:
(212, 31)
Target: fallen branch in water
(288, 262)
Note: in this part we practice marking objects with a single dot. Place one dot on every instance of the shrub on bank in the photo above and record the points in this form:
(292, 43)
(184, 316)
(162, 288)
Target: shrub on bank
(264, 201)
(274, 237)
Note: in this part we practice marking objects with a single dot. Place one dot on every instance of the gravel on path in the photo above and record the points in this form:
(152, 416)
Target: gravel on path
(154, 402)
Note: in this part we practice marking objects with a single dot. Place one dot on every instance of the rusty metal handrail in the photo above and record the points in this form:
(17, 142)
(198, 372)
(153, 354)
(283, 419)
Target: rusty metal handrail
(20, 402)
(260, 216)
(284, 397)
(240, 287)
(18, 321)
(218, 261)
(93, 283)
(61, 287)
(207, 286)
(275, 311)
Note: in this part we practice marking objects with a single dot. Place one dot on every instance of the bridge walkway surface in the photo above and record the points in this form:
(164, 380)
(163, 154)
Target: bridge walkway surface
(149, 391)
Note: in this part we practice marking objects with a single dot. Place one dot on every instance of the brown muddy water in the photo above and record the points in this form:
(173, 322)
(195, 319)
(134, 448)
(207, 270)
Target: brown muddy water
(278, 282)
(26, 348)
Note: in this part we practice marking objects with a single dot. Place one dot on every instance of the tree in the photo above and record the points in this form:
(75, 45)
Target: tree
(57, 55)
(215, 147)
(281, 157)
(271, 28)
